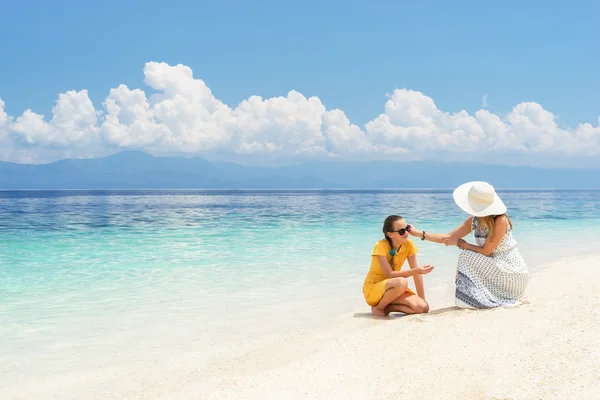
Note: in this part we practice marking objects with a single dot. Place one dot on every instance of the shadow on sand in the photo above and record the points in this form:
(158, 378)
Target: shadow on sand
(368, 315)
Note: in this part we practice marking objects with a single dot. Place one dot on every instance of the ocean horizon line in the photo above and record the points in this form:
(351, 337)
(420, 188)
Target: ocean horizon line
(424, 189)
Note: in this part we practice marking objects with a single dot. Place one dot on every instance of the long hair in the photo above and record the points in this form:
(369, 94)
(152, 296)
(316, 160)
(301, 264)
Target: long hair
(388, 226)
(489, 223)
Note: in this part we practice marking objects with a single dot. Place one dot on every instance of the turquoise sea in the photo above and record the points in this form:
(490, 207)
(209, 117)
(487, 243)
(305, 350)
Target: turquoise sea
(95, 279)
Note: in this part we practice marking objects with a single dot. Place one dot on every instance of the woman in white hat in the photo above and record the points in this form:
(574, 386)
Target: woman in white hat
(491, 272)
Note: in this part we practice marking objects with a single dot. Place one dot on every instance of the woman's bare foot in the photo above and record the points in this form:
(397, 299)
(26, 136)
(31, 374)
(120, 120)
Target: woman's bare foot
(377, 312)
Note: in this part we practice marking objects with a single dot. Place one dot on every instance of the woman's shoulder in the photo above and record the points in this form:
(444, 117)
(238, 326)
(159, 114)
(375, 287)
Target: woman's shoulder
(501, 221)
(381, 248)
(382, 244)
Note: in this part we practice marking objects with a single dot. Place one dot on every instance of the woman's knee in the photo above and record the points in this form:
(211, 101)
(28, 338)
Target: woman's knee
(422, 307)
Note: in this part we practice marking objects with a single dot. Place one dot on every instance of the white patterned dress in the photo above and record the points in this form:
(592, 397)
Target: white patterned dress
(494, 281)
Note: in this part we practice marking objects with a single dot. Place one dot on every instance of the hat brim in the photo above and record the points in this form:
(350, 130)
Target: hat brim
(461, 198)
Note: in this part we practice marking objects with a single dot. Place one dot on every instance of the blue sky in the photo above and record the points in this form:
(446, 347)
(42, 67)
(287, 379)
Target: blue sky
(350, 54)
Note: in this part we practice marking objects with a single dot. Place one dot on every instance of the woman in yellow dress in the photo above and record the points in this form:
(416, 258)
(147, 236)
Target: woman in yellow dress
(386, 285)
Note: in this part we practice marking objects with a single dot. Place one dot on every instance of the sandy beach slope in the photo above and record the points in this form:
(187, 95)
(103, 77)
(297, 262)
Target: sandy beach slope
(549, 348)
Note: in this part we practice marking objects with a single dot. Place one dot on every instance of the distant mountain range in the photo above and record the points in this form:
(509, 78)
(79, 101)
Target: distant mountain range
(138, 170)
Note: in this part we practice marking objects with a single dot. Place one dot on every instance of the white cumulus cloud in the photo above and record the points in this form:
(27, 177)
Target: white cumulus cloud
(74, 123)
(183, 116)
(413, 122)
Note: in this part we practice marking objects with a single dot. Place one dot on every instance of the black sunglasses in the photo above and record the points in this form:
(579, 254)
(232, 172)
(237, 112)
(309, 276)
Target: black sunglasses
(402, 231)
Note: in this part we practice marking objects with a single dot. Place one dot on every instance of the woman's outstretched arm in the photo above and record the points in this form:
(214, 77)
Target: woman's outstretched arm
(448, 239)
(432, 237)
(390, 273)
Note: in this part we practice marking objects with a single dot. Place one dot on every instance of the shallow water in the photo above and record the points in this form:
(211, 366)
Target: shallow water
(139, 274)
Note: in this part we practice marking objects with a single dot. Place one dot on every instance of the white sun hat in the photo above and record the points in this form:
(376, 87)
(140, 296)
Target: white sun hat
(478, 199)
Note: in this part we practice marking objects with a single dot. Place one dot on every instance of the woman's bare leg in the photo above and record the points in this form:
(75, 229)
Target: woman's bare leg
(394, 288)
(398, 308)
(409, 303)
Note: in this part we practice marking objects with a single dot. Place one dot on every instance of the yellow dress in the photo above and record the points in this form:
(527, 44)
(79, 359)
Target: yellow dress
(374, 284)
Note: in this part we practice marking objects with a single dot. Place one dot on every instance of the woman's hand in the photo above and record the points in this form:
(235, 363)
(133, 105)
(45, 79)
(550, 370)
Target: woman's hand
(414, 231)
(424, 269)
(450, 240)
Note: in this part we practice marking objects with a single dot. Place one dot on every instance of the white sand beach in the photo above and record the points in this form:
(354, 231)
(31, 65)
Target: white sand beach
(548, 348)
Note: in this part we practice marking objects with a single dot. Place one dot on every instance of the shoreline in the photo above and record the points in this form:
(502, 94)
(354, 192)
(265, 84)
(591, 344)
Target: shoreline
(548, 349)
(462, 353)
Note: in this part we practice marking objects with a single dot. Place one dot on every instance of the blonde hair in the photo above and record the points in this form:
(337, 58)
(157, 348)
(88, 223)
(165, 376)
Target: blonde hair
(489, 223)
